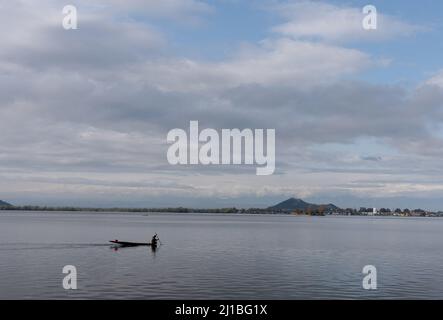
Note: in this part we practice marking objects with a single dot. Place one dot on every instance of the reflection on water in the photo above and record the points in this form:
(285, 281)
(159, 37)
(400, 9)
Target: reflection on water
(219, 256)
(151, 249)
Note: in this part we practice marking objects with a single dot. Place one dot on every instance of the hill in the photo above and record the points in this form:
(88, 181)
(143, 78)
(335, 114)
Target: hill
(5, 204)
(293, 204)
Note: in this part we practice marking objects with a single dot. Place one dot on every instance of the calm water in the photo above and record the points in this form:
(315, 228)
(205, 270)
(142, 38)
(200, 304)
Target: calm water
(219, 256)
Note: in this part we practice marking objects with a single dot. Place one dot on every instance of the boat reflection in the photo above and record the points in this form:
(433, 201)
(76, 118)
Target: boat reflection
(117, 247)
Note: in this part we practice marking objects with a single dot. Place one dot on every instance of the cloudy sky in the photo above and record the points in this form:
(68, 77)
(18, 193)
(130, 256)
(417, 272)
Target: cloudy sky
(85, 113)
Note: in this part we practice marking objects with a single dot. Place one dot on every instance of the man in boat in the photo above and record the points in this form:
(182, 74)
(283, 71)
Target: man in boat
(154, 240)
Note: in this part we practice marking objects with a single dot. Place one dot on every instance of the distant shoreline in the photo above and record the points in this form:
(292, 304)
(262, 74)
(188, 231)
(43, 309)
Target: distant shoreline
(233, 210)
(145, 210)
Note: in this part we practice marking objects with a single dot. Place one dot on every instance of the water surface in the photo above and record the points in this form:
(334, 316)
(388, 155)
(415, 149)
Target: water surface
(219, 256)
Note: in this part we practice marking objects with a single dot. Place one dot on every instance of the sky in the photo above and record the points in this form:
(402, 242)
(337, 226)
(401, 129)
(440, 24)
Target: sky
(85, 113)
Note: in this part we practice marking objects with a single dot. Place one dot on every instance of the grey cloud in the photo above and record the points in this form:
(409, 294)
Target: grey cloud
(371, 158)
(99, 43)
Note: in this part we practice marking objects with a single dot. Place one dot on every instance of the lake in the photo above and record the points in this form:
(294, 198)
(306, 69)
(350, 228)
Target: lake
(219, 256)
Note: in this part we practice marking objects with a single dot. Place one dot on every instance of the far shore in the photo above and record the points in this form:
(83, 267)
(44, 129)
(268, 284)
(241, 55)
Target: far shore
(232, 210)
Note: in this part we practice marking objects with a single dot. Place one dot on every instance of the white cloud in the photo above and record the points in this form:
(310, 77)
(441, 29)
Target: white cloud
(283, 61)
(436, 80)
(323, 21)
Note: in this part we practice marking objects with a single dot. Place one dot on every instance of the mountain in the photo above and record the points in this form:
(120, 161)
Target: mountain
(293, 204)
(5, 204)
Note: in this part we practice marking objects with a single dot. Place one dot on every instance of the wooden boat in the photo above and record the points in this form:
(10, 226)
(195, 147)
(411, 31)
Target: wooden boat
(132, 244)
